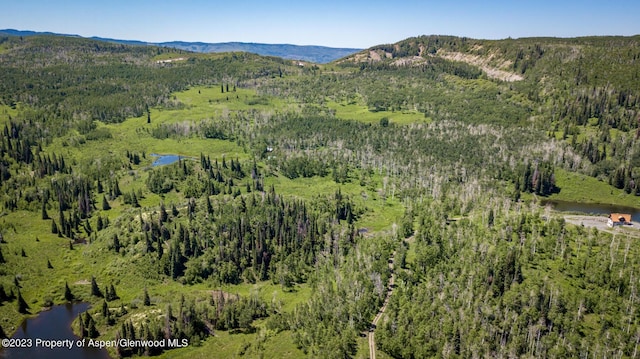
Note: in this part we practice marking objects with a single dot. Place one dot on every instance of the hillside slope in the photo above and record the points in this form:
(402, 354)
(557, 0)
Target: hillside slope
(551, 56)
(585, 91)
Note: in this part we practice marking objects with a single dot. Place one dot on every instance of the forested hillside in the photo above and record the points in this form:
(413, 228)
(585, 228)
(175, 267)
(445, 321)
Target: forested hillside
(316, 54)
(584, 91)
(298, 192)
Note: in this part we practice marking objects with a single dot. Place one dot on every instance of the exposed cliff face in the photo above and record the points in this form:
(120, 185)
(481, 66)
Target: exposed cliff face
(417, 51)
(485, 63)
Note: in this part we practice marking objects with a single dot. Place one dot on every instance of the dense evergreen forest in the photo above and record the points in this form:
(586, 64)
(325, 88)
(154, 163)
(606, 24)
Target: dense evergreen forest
(299, 193)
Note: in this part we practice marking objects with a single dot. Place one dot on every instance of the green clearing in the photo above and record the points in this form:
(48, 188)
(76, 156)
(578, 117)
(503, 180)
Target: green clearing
(240, 345)
(362, 113)
(22, 232)
(134, 134)
(379, 213)
(272, 293)
(575, 187)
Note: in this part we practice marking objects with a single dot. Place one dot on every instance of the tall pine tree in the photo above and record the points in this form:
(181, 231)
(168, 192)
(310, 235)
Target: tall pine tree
(68, 296)
(95, 290)
(23, 307)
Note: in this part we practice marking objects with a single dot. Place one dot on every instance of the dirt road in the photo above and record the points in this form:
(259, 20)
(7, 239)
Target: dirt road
(600, 222)
(374, 323)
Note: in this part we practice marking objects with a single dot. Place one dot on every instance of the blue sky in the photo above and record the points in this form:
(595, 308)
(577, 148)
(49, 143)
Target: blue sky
(333, 23)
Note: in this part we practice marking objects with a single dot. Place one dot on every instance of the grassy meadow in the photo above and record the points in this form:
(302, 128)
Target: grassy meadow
(575, 187)
(359, 112)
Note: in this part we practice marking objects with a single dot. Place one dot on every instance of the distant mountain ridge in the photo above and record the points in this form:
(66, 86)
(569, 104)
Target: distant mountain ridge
(311, 53)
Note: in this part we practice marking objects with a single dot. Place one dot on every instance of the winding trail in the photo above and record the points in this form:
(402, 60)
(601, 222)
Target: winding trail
(374, 323)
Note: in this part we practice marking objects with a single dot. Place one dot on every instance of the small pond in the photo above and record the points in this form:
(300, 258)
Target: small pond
(53, 324)
(162, 160)
(593, 208)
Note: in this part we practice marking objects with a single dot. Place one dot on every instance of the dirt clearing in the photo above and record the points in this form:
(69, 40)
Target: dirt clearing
(600, 222)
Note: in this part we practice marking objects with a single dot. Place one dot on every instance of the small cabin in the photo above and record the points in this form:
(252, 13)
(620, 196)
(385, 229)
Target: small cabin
(619, 219)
